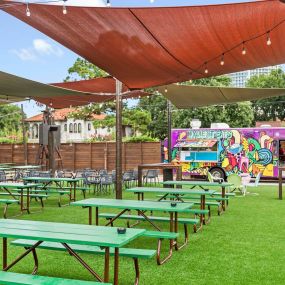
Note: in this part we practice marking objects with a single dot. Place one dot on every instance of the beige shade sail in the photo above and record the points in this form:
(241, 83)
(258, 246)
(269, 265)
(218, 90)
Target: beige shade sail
(184, 96)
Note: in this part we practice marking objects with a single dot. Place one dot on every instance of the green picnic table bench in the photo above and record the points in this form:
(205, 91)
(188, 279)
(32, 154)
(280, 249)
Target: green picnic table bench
(31, 195)
(133, 253)
(7, 202)
(106, 238)
(11, 278)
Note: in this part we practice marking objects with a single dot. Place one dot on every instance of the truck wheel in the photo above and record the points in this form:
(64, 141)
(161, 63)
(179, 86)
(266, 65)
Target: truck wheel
(217, 172)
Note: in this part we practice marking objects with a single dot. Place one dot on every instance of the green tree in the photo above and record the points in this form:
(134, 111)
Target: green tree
(10, 118)
(156, 105)
(83, 69)
(271, 108)
(136, 118)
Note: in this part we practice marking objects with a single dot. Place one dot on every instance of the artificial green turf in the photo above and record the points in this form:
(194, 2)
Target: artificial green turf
(245, 245)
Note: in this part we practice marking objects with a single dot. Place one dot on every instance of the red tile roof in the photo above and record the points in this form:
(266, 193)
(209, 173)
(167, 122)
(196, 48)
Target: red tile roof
(274, 124)
(61, 115)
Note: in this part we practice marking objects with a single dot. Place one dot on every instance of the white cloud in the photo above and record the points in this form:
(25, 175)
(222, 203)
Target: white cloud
(25, 54)
(44, 48)
(40, 48)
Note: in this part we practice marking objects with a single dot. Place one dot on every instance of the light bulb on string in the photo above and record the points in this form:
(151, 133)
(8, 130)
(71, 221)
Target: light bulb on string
(108, 3)
(64, 10)
(268, 41)
(222, 62)
(165, 90)
(28, 12)
(243, 52)
(206, 68)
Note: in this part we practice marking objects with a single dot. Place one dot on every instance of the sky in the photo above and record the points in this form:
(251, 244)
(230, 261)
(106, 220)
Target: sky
(28, 53)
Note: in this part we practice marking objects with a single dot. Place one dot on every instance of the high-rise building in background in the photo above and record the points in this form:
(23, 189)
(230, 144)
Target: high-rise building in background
(239, 79)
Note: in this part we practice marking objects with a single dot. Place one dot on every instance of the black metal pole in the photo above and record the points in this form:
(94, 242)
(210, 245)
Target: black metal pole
(24, 136)
(118, 140)
(169, 125)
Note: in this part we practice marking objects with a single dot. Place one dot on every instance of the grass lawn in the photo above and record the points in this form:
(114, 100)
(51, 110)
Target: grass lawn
(246, 245)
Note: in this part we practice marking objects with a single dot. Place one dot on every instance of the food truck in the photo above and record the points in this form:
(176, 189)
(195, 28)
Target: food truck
(226, 151)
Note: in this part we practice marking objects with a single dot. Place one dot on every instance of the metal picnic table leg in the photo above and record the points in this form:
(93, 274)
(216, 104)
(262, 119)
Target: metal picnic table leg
(28, 200)
(82, 262)
(4, 253)
(202, 207)
(107, 265)
(30, 249)
(116, 266)
(90, 215)
(223, 196)
(97, 216)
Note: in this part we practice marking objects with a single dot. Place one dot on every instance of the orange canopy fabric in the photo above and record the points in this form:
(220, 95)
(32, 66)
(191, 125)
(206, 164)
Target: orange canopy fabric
(145, 47)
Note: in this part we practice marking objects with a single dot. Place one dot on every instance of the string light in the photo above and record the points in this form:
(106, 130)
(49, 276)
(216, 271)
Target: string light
(268, 42)
(64, 10)
(243, 52)
(165, 90)
(206, 68)
(222, 62)
(108, 3)
(28, 12)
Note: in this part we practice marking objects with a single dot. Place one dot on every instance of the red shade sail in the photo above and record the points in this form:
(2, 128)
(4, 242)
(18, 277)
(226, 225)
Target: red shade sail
(146, 47)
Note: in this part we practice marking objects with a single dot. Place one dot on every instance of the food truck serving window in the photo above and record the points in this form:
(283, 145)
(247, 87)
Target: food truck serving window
(198, 150)
(196, 144)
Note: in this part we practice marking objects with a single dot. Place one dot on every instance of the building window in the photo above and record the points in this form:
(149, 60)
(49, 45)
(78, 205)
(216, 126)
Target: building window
(79, 128)
(75, 128)
(65, 127)
(71, 128)
(89, 126)
(35, 131)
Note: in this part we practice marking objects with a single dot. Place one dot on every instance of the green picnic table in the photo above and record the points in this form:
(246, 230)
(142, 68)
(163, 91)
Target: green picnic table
(140, 206)
(67, 235)
(203, 185)
(19, 187)
(177, 193)
(46, 181)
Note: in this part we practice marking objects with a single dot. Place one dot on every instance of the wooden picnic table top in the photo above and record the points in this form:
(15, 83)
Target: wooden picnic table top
(67, 233)
(52, 179)
(169, 191)
(18, 185)
(198, 183)
(133, 205)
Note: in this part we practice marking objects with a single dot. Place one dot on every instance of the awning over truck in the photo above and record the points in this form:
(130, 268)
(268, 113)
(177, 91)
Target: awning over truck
(196, 143)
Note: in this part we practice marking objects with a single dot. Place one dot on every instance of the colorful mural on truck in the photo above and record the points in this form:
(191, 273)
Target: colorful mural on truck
(238, 151)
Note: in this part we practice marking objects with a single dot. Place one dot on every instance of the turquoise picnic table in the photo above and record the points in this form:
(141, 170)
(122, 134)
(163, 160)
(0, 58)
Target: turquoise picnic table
(20, 187)
(47, 181)
(67, 235)
(26, 167)
(203, 185)
(177, 193)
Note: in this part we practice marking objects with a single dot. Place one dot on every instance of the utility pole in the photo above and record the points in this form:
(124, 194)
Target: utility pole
(51, 146)
(24, 136)
(169, 125)
(118, 140)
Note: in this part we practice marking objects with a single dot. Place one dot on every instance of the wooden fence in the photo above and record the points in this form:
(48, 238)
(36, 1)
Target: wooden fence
(99, 155)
